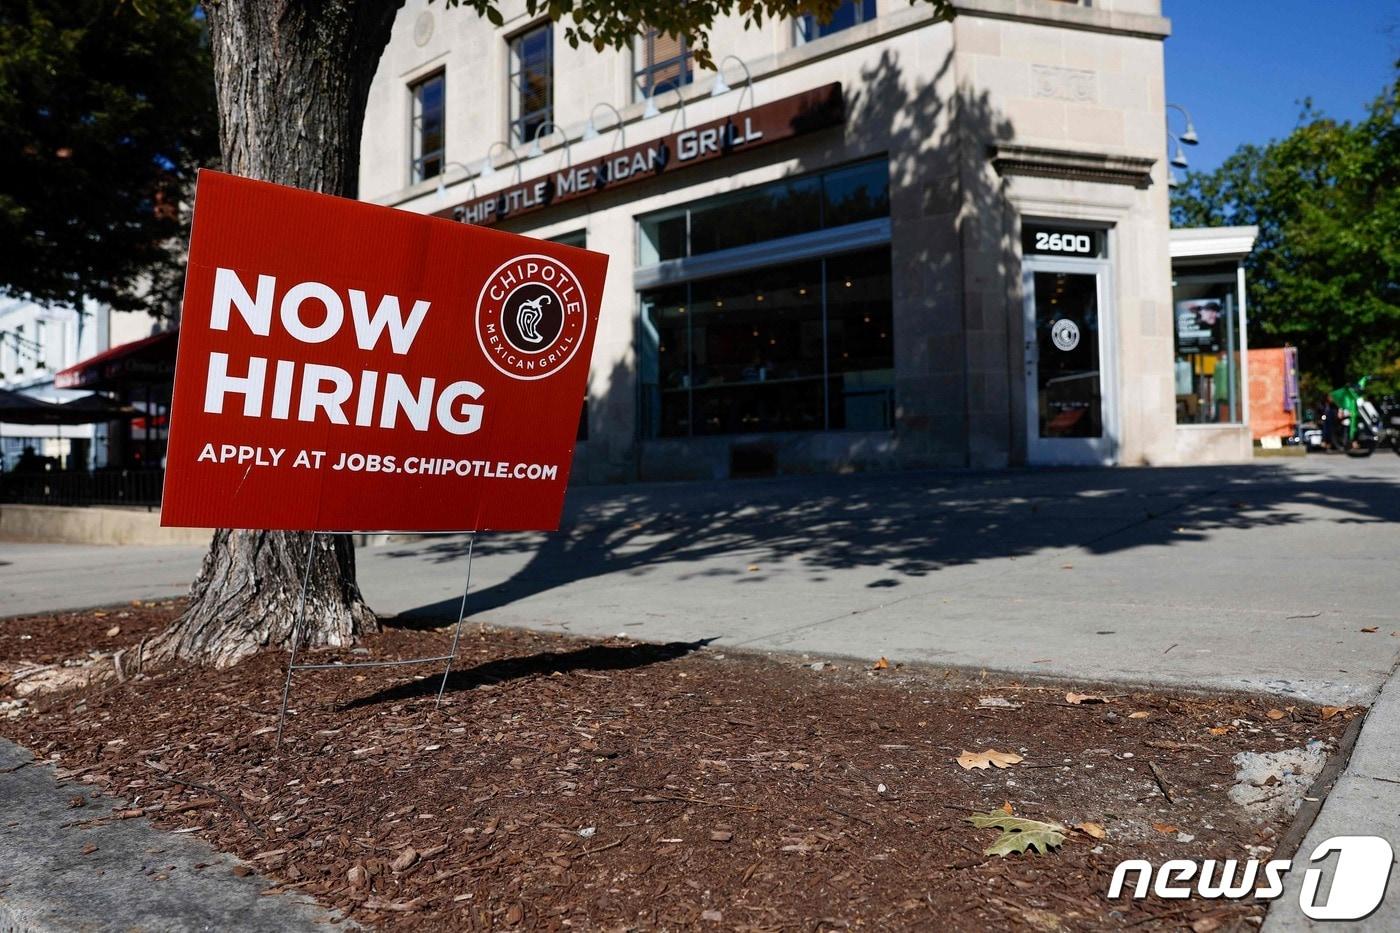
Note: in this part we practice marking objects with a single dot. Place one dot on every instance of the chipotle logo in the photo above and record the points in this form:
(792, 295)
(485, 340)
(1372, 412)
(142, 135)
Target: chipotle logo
(530, 317)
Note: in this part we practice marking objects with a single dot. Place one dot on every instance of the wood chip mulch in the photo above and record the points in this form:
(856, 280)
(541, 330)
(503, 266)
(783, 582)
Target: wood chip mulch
(617, 785)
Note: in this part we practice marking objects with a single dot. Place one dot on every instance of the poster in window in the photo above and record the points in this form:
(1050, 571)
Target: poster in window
(1200, 324)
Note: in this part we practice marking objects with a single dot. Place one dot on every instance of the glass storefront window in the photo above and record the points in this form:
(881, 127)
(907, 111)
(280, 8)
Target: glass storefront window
(860, 345)
(1207, 330)
(778, 209)
(768, 211)
(804, 346)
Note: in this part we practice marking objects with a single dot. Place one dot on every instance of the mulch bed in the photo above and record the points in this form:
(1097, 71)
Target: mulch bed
(618, 785)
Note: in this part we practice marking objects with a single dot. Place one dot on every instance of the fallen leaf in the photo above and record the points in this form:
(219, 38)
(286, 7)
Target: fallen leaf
(1218, 730)
(358, 877)
(116, 630)
(753, 568)
(1276, 714)
(1329, 711)
(1140, 714)
(1018, 835)
(1371, 629)
(515, 914)
(991, 757)
(1165, 829)
(1076, 699)
(1092, 829)
(881, 665)
(1006, 808)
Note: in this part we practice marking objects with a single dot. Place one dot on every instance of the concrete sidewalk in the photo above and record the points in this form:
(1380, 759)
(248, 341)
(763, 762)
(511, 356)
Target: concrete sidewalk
(1257, 577)
(123, 875)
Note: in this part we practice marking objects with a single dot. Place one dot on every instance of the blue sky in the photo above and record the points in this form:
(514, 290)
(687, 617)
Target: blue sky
(1242, 67)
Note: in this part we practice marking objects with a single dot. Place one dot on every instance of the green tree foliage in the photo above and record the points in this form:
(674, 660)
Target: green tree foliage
(1325, 274)
(106, 110)
(615, 23)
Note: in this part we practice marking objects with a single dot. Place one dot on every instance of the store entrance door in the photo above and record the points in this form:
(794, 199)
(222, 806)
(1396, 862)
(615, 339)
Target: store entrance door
(1070, 416)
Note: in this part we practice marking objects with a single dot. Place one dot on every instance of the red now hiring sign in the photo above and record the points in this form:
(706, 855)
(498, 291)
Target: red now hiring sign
(344, 366)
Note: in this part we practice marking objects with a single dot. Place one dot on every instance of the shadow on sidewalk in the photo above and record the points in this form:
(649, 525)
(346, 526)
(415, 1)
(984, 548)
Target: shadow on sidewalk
(908, 524)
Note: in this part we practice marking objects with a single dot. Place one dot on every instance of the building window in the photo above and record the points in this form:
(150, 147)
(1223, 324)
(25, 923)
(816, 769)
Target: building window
(796, 346)
(429, 114)
(804, 346)
(849, 13)
(1207, 327)
(779, 209)
(661, 63)
(531, 82)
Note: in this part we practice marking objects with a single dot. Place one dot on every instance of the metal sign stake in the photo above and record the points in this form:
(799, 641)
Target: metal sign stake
(296, 630)
(292, 664)
(461, 615)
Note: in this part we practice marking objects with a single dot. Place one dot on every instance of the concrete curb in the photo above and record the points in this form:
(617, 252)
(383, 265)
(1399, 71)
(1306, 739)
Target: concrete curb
(91, 525)
(1365, 801)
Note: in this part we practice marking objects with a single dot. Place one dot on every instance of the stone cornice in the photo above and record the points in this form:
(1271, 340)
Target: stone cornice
(1069, 16)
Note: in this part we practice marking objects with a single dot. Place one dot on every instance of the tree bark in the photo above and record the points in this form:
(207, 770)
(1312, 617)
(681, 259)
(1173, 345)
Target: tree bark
(292, 78)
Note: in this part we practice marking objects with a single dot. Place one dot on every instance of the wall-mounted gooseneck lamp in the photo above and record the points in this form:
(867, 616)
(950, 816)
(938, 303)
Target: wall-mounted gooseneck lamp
(1189, 137)
(442, 177)
(544, 129)
(591, 132)
(722, 87)
(488, 168)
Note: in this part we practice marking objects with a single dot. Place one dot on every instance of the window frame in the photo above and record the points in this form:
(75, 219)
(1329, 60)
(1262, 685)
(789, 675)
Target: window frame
(806, 28)
(686, 60)
(515, 118)
(417, 157)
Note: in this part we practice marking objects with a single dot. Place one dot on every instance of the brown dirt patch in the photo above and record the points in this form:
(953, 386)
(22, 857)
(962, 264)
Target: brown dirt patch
(618, 785)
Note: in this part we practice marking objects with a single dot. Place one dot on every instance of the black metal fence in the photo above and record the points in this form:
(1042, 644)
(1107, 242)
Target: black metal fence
(104, 487)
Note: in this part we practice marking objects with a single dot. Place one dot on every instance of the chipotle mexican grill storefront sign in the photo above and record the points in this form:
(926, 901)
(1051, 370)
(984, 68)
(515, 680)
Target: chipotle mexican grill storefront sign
(783, 119)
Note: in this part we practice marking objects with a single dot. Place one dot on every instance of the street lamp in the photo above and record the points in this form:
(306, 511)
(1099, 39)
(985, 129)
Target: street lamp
(545, 128)
(591, 132)
(488, 168)
(722, 87)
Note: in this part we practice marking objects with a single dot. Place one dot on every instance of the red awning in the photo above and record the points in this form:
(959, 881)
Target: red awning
(149, 361)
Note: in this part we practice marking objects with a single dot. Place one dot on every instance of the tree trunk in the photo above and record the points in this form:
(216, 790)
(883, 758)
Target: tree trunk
(292, 78)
